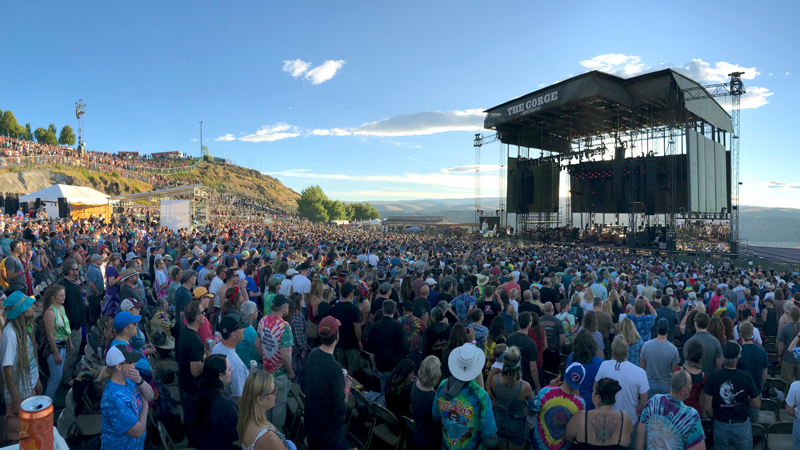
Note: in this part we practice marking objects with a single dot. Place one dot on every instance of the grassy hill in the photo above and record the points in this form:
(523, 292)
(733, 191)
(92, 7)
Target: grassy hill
(224, 178)
(236, 180)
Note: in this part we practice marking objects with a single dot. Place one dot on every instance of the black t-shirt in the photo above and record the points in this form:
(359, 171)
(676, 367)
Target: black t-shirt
(530, 307)
(672, 317)
(529, 351)
(524, 285)
(547, 294)
(421, 306)
(324, 388)
(190, 348)
(731, 391)
(753, 361)
(348, 314)
(553, 328)
(490, 310)
(445, 297)
(182, 298)
(427, 432)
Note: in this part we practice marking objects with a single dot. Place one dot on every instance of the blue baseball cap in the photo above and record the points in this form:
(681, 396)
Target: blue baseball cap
(124, 318)
(574, 375)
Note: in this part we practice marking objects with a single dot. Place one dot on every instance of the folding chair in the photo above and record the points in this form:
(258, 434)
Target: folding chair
(768, 412)
(87, 424)
(384, 426)
(708, 429)
(361, 401)
(297, 405)
(774, 383)
(167, 442)
(773, 371)
(548, 377)
(779, 436)
(759, 435)
(408, 432)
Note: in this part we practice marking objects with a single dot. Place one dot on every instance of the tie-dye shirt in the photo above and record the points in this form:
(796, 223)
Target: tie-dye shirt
(414, 329)
(276, 338)
(466, 417)
(671, 425)
(553, 408)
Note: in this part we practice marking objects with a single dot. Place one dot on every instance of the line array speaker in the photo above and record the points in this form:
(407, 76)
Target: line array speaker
(650, 198)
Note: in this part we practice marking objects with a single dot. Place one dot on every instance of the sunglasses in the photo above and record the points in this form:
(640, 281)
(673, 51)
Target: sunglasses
(274, 392)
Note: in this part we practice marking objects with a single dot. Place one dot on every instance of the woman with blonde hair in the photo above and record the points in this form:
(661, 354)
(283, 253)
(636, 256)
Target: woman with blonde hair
(575, 307)
(255, 431)
(510, 394)
(314, 298)
(427, 432)
(615, 308)
(628, 330)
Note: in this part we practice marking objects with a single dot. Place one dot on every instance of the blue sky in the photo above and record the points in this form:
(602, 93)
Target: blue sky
(378, 100)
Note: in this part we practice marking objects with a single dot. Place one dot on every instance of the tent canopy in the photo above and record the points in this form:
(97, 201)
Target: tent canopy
(73, 194)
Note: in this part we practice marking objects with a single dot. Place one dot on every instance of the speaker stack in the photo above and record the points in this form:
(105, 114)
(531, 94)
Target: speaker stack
(650, 202)
(63, 208)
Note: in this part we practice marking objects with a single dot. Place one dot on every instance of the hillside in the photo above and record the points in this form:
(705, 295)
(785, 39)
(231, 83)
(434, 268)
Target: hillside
(227, 179)
(236, 180)
(26, 181)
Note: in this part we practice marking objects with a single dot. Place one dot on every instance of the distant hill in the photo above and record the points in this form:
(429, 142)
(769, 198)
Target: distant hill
(759, 226)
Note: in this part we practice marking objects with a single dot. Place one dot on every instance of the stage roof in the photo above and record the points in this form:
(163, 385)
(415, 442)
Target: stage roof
(163, 193)
(594, 104)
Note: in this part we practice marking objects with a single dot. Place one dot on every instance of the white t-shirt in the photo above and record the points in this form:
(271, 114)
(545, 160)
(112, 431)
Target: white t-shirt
(286, 287)
(515, 304)
(633, 380)
(793, 399)
(216, 283)
(302, 285)
(8, 354)
(239, 371)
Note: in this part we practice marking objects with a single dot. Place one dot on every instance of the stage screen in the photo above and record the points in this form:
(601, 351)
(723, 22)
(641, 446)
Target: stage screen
(175, 214)
(592, 186)
(490, 223)
(709, 172)
(532, 187)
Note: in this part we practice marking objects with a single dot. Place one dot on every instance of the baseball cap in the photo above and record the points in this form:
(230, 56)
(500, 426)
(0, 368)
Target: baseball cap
(187, 274)
(385, 287)
(129, 303)
(574, 375)
(123, 319)
(663, 326)
(280, 300)
(96, 257)
(291, 272)
(430, 282)
(303, 266)
(119, 354)
(731, 350)
(200, 292)
(328, 326)
(229, 324)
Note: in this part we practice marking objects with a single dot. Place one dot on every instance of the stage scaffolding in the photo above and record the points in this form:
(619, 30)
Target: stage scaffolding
(197, 194)
(650, 121)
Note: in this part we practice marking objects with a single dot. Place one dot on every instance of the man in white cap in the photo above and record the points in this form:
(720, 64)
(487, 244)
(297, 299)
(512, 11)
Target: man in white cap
(463, 407)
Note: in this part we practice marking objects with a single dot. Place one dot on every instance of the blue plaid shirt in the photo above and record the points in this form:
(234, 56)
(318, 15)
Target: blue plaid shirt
(95, 276)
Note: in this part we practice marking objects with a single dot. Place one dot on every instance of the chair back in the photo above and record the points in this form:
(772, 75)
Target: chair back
(385, 415)
(361, 400)
(548, 377)
(166, 441)
(409, 423)
(775, 383)
(777, 434)
(770, 405)
(759, 433)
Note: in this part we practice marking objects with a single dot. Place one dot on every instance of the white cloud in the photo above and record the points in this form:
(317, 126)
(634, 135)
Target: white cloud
(296, 68)
(324, 72)
(331, 132)
(193, 140)
(787, 74)
(615, 64)
(770, 74)
(272, 133)
(428, 122)
(227, 137)
(471, 168)
(460, 185)
(704, 73)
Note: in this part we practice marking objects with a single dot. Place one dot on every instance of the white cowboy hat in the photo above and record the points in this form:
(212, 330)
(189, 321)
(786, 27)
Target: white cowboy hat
(466, 362)
(482, 280)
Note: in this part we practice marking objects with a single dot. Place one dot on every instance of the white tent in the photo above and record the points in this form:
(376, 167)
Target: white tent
(73, 194)
(374, 222)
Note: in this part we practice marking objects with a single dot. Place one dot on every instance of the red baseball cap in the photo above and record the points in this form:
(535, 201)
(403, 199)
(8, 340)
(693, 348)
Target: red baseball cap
(329, 326)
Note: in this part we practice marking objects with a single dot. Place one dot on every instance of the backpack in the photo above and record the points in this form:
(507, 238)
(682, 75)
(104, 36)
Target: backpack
(3, 275)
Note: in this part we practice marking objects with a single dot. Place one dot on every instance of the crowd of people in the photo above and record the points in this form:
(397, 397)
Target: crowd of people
(482, 343)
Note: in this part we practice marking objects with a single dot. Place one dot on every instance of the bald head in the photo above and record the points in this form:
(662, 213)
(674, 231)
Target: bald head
(548, 308)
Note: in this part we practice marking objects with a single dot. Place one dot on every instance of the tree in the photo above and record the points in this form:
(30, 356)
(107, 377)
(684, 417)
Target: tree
(336, 210)
(67, 136)
(28, 132)
(45, 136)
(52, 128)
(350, 211)
(311, 204)
(365, 211)
(9, 125)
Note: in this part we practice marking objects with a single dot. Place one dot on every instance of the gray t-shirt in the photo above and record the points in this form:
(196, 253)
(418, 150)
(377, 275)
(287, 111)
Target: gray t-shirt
(239, 372)
(14, 265)
(786, 336)
(8, 355)
(712, 350)
(660, 357)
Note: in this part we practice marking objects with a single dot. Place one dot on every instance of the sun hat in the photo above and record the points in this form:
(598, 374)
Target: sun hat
(123, 319)
(127, 273)
(482, 280)
(16, 304)
(466, 362)
(119, 354)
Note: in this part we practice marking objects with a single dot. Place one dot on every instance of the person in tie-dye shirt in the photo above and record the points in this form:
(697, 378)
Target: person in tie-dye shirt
(554, 406)
(667, 423)
(414, 328)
